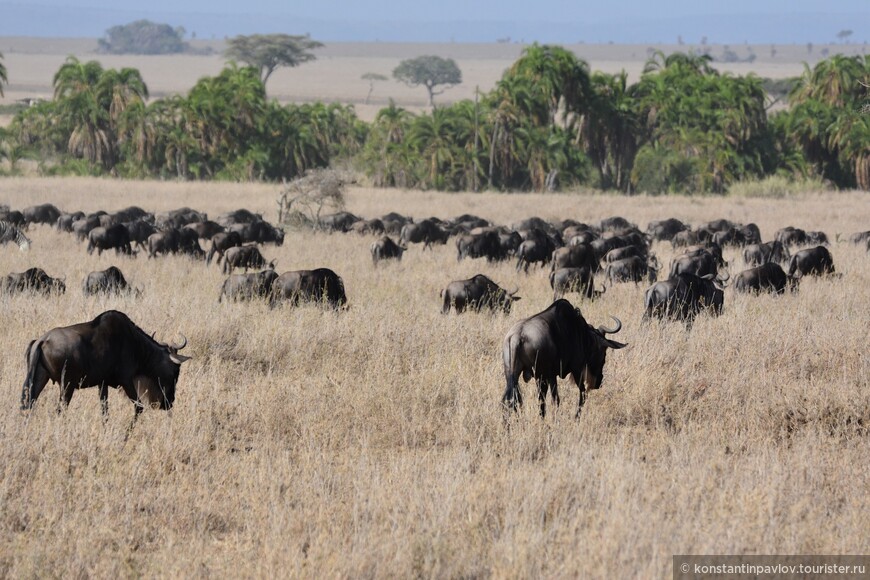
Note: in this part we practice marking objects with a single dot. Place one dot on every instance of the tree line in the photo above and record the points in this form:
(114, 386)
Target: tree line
(549, 123)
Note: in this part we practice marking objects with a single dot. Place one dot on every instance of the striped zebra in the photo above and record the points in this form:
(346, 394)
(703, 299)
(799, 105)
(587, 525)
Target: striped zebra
(10, 233)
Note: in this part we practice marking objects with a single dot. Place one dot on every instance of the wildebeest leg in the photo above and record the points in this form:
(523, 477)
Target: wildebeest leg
(66, 394)
(554, 389)
(104, 401)
(582, 400)
(543, 387)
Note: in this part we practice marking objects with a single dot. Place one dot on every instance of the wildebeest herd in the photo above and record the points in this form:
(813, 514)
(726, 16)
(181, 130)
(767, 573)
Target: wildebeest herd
(113, 351)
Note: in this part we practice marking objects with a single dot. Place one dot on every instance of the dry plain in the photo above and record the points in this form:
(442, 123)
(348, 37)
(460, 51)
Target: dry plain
(371, 443)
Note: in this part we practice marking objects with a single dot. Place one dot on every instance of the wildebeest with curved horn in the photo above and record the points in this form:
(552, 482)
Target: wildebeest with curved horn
(319, 285)
(769, 277)
(811, 262)
(109, 351)
(477, 293)
(555, 343)
(108, 281)
(386, 249)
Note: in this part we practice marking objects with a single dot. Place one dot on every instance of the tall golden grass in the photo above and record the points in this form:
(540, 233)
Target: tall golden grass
(371, 443)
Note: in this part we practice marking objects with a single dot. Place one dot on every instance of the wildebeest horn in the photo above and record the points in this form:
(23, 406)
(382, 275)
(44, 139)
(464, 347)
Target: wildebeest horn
(604, 330)
(514, 291)
(179, 346)
(725, 278)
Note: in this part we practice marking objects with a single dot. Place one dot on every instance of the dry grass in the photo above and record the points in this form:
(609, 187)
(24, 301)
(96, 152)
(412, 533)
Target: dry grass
(371, 443)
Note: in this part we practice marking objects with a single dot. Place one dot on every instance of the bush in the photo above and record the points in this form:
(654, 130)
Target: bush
(660, 171)
(143, 37)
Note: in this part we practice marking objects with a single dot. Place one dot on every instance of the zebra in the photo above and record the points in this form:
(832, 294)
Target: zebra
(10, 233)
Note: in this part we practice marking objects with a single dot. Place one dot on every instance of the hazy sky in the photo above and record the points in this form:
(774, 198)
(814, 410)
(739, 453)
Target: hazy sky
(725, 21)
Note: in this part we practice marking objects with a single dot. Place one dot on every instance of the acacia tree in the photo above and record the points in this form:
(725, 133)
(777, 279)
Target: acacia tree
(267, 52)
(429, 71)
(372, 78)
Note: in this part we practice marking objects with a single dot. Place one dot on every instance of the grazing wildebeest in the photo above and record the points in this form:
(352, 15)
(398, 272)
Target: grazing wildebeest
(477, 293)
(386, 249)
(109, 351)
(131, 214)
(790, 236)
(555, 343)
(393, 222)
(163, 242)
(337, 222)
(858, 238)
(33, 280)
(320, 285)
(817, 238)
(757, 254)
(248, 286)
(665, 230)
(769, 277)
(178, 218)
(372, 226)
(624, 252)
(108, 281)
(811, 262)
(65, 221)
(45, 213)
(486, 244)
(699, 262)
(11, 233)
(259, 232)
(615, 223)
(574, 279)
(632, 269)
(140, 230)
(116, 236)
(685, 238)
(427, 232)
(222, 242)
(245, 257)
(683, 296)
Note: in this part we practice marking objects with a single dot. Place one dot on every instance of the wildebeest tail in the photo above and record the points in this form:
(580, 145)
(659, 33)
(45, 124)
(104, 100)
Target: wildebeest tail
(32, 355)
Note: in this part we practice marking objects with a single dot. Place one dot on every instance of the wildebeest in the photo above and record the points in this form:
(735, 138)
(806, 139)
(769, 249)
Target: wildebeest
(173, 241)
(665, 230)
(427, 232)
(337, 222)
(393, 222)
(14, 217)
(140, 230)
(482, 245)
(477, 293)
(82, 227)
(116, 236)
(239, 216)
(45, 213)
(65, 221)
(245, 257)
(108, 281)
(259, 232)
(817, 238)
(555, 343)
(574, 279)
(204, 230)
(790, 236)
(386, 249)
(811, 262)
(178, 218)
(372, 226)
(769, 277)
(222, 242)
(683, 297)
(109, 351)
(757, 254)
(700, 262)
(615, 223)
(32, 280)
(320, 285)
(248, 286)
(858, 238)
(685, 238)
(632, 269)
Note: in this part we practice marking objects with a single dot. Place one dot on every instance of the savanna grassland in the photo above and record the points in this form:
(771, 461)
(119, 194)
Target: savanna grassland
(372, 443)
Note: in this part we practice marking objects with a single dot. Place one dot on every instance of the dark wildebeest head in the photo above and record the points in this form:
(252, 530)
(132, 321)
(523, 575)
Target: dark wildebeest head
(109, 351)
(477, 293)
(768, 277)
(108, 281)
(811, 262)
(386, 249)
(555, 343)
(320, 285)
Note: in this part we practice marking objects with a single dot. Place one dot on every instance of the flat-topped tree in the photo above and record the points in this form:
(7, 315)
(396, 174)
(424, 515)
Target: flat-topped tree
(3, 78)
(268, 52)
(372, 78)
(429, 71)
